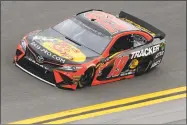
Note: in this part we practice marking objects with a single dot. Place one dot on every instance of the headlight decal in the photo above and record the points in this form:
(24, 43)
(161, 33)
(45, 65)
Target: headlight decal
(23, 44)
(70, 68)
(21, 53)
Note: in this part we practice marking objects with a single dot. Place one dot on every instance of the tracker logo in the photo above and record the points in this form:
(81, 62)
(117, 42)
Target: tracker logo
(145, 52)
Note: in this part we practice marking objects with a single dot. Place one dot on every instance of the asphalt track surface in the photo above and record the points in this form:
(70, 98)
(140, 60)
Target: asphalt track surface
(23, 96)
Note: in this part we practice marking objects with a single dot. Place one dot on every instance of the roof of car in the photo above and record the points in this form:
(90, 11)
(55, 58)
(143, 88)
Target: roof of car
(108, 22)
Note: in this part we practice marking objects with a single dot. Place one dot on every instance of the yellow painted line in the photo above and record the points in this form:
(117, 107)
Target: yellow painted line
(109, 111)
(98, 106)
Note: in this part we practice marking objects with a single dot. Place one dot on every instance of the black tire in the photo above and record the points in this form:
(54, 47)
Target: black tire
(87, 78)
(143, 67)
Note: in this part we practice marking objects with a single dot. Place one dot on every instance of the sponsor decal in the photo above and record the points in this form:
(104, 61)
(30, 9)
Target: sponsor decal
(93, 30)
(145, 52)
(34, 44)
(162, 45)
(43, 38)
(128, 72)
(161, 53)
(156, 63)
(134, 63)
(61, 48)
(37, 64)
(138, 26)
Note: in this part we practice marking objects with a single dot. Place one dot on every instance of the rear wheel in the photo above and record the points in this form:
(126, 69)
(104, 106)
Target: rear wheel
(87, 78)
(143, 67)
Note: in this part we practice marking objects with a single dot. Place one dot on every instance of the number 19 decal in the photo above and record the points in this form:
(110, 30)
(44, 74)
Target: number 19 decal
(118, 66)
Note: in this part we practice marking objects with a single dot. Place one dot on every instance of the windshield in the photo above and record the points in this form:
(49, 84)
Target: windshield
(83, 35)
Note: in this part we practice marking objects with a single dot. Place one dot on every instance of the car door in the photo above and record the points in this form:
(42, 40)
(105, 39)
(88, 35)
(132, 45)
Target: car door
(115, 62)
(143, 53)
(120, 61)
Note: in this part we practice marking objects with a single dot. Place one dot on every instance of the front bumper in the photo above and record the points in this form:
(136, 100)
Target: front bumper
(34, 75)
(51, 77)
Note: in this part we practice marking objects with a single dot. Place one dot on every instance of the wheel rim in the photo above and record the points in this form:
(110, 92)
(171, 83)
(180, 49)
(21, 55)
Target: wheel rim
(140, 69)
(143, 68)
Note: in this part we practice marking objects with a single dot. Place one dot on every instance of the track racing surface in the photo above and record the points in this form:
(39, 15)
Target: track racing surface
(24, 97)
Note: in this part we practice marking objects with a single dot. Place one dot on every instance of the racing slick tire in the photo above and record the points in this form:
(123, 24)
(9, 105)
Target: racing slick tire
(144, 66)
(87, 78)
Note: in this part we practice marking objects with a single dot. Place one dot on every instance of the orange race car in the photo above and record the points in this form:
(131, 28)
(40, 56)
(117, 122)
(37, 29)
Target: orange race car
(90, 48)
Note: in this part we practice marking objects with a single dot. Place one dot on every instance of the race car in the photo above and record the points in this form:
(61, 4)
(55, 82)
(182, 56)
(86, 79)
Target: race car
(90, 48)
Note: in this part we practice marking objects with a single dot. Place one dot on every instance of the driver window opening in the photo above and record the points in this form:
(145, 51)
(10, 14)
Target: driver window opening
(138, 40)
(123, 43)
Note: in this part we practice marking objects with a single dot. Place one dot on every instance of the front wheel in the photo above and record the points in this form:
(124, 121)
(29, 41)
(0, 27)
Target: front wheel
(87, 78)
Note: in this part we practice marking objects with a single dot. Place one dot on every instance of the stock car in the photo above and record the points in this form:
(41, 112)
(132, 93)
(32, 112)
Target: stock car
(90, 48)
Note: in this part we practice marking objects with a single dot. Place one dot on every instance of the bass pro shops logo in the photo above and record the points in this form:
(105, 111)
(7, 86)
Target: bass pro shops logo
(40, 59)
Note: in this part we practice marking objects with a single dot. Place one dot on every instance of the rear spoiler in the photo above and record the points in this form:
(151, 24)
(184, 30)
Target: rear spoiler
(156, 33)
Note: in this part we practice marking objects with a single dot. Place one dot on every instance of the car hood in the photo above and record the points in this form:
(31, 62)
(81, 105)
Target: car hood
(54, 46)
